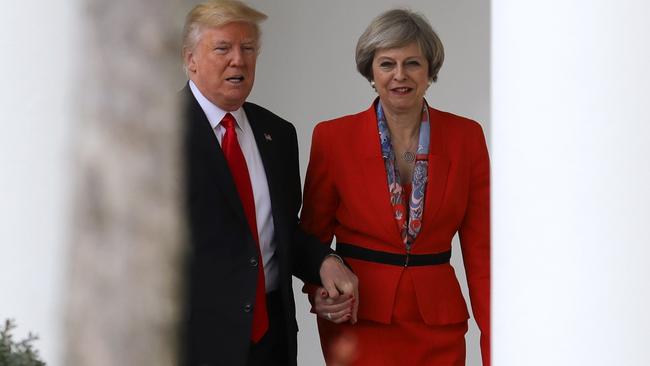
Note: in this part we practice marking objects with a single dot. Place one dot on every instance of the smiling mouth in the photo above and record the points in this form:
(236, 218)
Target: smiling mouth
(403, 90)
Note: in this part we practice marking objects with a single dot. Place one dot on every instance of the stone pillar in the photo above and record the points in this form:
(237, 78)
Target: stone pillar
(127, 236)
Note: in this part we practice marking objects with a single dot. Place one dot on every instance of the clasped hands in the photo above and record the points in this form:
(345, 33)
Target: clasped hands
(338, 299)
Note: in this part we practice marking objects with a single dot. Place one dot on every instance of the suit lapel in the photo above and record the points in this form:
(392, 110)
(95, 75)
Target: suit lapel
(375, 173)
(376, 181)
(207, 151)
(263, 132)
(437, 172)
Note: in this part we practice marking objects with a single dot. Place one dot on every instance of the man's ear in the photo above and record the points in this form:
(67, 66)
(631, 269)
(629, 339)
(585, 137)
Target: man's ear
(188, 58)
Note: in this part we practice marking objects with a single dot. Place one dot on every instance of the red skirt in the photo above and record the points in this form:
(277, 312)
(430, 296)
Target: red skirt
(406, 341)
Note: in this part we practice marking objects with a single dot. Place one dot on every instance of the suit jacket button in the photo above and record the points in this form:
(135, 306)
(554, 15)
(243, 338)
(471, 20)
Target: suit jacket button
(253, 262)
(248, 307)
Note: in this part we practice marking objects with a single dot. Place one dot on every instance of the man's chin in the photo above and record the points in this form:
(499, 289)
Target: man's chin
(231, 104)
(230, 101)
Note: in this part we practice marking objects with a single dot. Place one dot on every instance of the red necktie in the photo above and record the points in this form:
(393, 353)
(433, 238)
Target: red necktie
(239, 171)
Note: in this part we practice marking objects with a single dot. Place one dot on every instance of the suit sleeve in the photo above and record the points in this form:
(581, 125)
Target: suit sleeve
(474, 236)
(321, 198)
(307, 252)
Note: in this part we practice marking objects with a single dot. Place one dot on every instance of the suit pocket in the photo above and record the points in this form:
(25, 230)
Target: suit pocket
(377, 288)
(438, 294)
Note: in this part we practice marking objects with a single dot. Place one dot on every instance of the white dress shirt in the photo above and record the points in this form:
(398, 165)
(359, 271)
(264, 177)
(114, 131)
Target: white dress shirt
(257, 174)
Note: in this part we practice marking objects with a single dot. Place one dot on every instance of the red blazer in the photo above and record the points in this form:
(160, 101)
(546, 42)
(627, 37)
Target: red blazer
(346, 195)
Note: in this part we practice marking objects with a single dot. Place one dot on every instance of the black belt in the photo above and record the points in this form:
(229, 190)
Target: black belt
(406, 260)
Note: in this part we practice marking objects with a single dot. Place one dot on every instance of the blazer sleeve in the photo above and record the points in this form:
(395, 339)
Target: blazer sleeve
(321, 197)
(474, 236)
(307, 252)
(321, 200)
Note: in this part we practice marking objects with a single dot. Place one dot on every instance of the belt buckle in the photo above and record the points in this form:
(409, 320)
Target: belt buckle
(406, 261)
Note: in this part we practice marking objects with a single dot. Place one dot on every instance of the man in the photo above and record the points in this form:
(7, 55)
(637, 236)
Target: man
(243, 198)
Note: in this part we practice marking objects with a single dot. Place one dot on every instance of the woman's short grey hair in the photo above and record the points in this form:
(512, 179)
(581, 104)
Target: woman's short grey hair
(398, 28)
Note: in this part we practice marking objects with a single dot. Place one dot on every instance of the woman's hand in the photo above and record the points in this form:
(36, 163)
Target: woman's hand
(335, 309)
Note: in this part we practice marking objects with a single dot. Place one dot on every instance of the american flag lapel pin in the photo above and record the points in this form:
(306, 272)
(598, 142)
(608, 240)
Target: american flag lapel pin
(268, 137)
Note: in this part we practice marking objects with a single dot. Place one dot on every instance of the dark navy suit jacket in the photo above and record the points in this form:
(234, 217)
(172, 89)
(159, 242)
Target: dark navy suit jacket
(221, 276)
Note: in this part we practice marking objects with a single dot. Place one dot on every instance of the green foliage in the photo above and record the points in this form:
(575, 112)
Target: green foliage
(20, 353)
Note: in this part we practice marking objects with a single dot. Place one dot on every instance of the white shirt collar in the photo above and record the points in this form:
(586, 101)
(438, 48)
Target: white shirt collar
(213, 112)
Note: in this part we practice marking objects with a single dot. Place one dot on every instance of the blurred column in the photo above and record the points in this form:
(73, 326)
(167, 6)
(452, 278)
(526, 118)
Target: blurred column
(37, 39)
(122, 303)
(571, 182)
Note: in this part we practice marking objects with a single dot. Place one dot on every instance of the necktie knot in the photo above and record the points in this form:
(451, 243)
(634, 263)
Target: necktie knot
(228, 121)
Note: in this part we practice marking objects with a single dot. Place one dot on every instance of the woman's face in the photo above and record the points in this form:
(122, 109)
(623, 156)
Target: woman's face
(401, 77)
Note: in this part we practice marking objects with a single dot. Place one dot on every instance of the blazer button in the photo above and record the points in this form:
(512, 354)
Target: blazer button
(248, 307)
(253, 262)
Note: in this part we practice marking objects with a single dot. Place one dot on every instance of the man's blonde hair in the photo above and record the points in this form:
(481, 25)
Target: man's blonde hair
(215, 13)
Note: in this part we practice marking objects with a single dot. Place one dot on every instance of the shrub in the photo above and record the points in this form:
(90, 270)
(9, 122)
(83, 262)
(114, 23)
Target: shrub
(21, 353)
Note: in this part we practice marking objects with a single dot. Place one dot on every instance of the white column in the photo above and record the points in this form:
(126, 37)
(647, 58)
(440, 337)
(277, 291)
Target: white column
(571, 182)
(37, 41)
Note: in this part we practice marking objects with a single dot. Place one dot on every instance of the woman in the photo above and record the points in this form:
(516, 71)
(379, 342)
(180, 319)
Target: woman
(394, 184)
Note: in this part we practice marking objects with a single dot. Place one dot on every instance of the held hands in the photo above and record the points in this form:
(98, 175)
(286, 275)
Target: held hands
(338, 299)
(336, 310)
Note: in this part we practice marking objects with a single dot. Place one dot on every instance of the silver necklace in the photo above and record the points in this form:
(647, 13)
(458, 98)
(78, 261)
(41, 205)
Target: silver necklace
(408, 156)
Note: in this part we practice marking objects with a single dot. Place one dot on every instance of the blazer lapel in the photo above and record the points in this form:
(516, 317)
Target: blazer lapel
(205, 148)
(437, 172)
(375, 173)
(376, 182)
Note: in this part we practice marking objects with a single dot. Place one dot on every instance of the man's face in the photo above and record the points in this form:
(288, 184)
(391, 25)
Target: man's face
(222, 65)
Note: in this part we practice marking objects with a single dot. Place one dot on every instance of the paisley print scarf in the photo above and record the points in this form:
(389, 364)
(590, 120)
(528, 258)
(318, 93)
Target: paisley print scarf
(410, 228)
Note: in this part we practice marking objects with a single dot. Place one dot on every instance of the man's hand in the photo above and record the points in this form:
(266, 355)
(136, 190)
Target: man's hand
(340, 285)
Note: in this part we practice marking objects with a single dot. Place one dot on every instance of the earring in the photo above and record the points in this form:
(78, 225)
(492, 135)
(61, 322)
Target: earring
(372, 84)
(430, 82)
